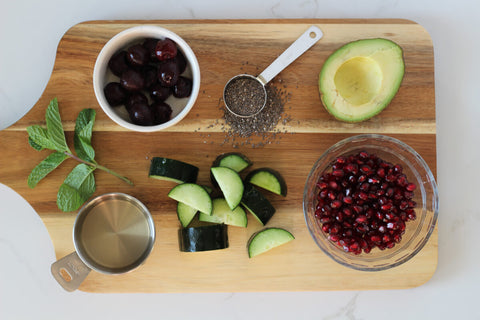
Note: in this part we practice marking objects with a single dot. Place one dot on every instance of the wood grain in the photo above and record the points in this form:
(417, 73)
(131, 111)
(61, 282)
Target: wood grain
(226, 48)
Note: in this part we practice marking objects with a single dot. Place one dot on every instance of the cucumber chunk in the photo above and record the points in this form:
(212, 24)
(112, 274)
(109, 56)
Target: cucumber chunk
(232, 160)
(185, 213)
(230, 184)
(203, 238)
(268, 179)
(266, 240)
(172, 170)
(222, 213)
(257, 204)
(192, 195)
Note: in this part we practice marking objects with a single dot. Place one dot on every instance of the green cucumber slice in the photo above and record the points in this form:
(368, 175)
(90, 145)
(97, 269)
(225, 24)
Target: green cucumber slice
(203, 238)
(172, 170)
(192, 195)
(230, 184)
(185, 213)
(232, 160)
(266, 240)
(257, 204)
(222, 213)
(268, 179)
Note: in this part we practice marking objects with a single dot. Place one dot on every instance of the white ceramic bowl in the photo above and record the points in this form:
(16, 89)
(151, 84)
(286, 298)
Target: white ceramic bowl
(102, 75)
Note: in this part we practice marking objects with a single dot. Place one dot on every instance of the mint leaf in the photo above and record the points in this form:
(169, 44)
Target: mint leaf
(45, 167)
(39, 136)
(34, 145)
(55, 128)
(83, 135)
(78, 186)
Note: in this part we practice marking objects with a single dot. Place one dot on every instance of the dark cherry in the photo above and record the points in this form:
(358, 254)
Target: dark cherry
(118, 63)
(115, 94)
(150, 44)
(132, 80)
(150, 75)
(137, 55)
(168, 73)
(181, 61)
(162, 112)
(135, 97)
(165, 49)
(159, 92)
(183, 88)
(141, 114)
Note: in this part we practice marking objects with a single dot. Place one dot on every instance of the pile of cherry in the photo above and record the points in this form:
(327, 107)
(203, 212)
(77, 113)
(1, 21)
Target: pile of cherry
(364, 202)
(152, 69)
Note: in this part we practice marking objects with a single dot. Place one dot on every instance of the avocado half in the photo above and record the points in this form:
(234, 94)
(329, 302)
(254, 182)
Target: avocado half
(361, 78)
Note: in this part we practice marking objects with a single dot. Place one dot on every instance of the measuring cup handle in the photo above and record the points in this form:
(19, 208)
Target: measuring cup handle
(296, 49)
(70, 271)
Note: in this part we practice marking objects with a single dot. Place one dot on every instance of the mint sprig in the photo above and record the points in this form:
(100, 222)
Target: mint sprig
(79, 185)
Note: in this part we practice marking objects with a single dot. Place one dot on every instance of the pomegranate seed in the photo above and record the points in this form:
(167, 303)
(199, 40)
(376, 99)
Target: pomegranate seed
(390, 178)
(402, 180)
(335, 229)
(362, 195)
(367, 250)
(362, 178)
(382, 229)
(363, 155)
(403, 205)
(331, 195)
(333, 185)
(339, 216)
(375, 238)
(333, 237)
(325, 219)
(323, 194)
(336, 204)
(322, 185)
(351, 168)
(326, 227)
(361, 219)
(386, 207)
(364, 186)
(348, 200)
(365, 169)
(357, 209)
(338, 173)
(408, 194)
(390, 244)
(381, 172)
(411, 187)
(347, 211)
(386, 238)
(397, 238)
(379, 215)
(341, 160)
(397, 168)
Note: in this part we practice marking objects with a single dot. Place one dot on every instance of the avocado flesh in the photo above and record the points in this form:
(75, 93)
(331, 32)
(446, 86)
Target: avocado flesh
(361, 78)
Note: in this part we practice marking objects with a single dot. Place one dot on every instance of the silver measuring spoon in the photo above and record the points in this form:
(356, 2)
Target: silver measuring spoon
(255, 86)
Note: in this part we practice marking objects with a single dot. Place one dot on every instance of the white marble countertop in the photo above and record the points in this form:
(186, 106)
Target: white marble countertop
(29, 33)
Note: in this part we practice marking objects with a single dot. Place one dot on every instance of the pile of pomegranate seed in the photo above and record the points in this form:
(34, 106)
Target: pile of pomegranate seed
(364, 203)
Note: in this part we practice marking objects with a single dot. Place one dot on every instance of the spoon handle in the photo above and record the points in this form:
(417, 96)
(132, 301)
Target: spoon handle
(296, 49)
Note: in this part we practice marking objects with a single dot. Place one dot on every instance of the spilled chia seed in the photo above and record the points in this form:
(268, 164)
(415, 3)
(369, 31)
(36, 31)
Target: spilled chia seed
(264, 128)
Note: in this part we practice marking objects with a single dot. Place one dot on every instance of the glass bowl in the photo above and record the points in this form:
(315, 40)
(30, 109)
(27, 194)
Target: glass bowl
(417, 232)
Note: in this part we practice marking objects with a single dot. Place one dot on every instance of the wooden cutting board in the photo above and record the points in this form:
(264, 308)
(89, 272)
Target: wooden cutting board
(226, 48)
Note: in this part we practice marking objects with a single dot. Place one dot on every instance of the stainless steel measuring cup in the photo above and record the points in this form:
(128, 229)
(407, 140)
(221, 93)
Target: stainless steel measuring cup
(296, 49)
(114, 233)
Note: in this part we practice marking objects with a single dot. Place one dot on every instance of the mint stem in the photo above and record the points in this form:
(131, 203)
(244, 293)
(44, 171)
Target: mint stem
(97, 166)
